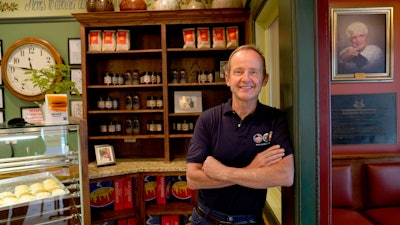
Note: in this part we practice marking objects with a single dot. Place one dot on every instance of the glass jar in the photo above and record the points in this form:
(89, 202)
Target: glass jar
(128, 77)
(136, 101)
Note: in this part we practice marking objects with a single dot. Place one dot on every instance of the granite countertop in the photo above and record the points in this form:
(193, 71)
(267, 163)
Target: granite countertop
(129, 166)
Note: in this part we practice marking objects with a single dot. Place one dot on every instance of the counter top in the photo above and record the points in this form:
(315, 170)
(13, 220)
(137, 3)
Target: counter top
(129, 166)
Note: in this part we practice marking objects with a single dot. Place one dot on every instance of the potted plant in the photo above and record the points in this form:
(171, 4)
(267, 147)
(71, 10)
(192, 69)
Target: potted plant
(53, 81)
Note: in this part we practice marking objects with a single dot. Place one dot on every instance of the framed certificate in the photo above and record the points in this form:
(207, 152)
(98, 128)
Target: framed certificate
(74, 51)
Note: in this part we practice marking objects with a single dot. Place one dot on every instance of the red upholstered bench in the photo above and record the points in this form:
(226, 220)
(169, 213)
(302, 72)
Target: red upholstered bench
(343, 211)
(383, 188)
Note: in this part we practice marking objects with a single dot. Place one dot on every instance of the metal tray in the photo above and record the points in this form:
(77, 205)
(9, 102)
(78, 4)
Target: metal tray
(10, 183)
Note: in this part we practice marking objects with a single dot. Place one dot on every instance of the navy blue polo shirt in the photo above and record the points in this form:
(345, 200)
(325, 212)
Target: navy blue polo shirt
(219, 132)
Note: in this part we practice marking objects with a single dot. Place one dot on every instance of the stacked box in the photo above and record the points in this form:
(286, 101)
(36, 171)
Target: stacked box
(101, 195)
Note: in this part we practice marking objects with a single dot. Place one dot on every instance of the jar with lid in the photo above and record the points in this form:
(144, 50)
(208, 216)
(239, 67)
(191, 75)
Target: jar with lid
(107, 78)
(203, 76)
(153, 78)
(100, 103)
(136, 125)
(210, 77)
(114, 79)
(185, 126)
(121, 79)
(108, 103)
(128, 77)
(115, 103)
(158, 126)
(118, 126)
(182, 76)
(111, 127)
(159, 102)
(136, 101)
(175, 76)
(147, 78)
(128, 102)
(151, 102)
(159, 78)
(135, 77)
(151, 126)
(103, 128)
(128, 126)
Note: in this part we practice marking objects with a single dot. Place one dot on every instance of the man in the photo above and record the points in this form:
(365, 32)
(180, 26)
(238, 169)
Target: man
(239, 148)
(360, 57)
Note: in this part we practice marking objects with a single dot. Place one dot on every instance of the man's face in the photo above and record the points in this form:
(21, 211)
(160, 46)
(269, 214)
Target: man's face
(358, 40)
(245, 77)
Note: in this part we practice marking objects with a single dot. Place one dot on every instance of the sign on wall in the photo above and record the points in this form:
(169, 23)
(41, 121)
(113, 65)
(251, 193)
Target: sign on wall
(40, 8)
(364, 119)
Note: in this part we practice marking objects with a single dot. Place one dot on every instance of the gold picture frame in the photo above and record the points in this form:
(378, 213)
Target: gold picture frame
(362, 44)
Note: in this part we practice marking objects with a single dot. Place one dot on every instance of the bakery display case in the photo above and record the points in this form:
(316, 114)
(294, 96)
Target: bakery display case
(41, 175)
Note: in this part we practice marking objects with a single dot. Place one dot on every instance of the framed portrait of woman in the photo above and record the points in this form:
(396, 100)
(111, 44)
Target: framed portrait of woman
(362, 43)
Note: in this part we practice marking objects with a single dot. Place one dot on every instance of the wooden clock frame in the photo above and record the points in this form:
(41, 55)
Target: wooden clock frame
(24, 41)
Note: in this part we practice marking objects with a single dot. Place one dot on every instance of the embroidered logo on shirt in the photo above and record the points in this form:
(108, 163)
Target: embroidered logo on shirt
(264, 139)
(257, 138)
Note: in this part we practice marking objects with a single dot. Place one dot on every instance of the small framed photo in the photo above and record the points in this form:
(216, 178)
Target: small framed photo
(76, 108)
(32, 115)
(74, 51)
(76, 77)
(1, 50)
(188, 101)
(104, 155)
(1, 98)
(362, 44)
(1, 117)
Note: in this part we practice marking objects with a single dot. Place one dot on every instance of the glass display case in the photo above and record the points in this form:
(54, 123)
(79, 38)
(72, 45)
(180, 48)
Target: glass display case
(40, 175)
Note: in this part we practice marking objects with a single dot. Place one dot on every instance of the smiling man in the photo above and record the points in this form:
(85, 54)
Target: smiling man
(239, 148)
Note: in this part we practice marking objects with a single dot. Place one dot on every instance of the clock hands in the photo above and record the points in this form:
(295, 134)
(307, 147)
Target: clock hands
(22, 68)
(30, 64)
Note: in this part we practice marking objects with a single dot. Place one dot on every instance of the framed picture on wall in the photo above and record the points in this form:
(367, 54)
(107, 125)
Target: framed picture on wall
(1, 98)
(74, 51)
(76, 108)
(1, 117)
(1, 50)
(362, 44)
(76, 77)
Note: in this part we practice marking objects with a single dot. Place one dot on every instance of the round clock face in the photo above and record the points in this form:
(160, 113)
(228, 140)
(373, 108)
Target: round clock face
(27, 54)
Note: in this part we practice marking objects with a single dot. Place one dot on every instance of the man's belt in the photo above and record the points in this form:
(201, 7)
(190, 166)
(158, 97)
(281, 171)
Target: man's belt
(214, 220)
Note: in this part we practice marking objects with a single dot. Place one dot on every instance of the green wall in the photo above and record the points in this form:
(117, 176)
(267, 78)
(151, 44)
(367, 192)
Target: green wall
(54, 30)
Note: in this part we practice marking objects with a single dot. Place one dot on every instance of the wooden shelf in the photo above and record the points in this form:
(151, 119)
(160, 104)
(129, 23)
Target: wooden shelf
(110, 215)
(156, 45)
(173, 208)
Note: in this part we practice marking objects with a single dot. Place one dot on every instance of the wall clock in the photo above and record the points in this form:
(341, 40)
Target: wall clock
(23, 55)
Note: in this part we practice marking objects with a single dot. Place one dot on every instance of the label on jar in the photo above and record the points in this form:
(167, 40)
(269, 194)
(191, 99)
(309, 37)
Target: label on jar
(100, 104)
(108, 103)
(107, 79)
(159, 102)
(158, 126)
(115, 103)
(185, 126)
(103, 128)
(136, 103)
(129, 126)
(147, 79)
